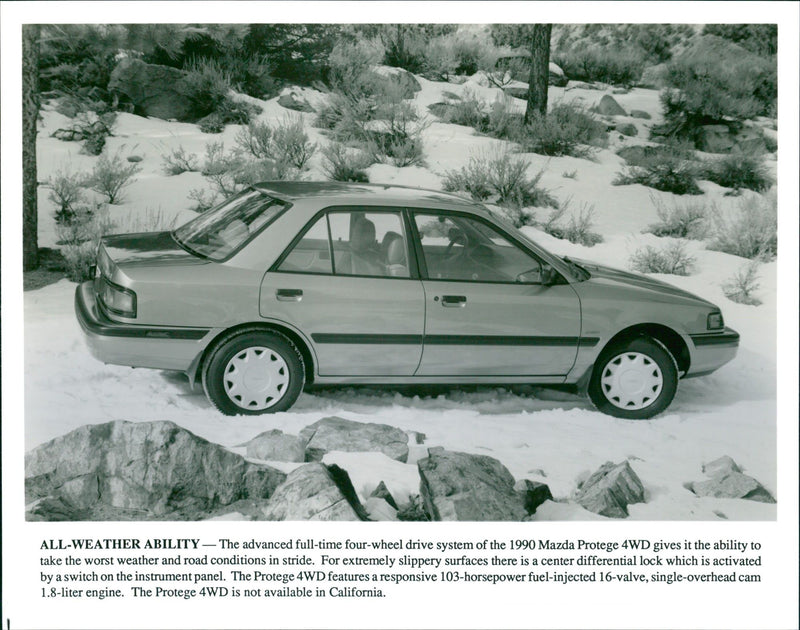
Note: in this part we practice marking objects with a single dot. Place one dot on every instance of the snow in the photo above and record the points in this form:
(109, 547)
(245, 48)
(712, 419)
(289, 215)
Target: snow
(732, 412)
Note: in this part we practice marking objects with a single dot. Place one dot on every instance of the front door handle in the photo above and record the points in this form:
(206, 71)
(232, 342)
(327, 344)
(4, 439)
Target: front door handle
(289, 295)
(454, 301)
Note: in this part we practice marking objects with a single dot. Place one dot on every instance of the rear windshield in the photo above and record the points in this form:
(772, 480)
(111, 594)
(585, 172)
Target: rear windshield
(223, 230)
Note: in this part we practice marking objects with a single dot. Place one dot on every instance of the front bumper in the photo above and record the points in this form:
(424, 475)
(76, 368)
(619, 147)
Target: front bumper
(712, 351)
(160, 347)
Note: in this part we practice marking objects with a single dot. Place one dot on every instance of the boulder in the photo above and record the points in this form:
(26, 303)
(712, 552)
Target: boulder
(610, 490)
(277, 446)
(628, 129)
(733, 485)
(315, 492)
(532, 493)
(721, 466)
(407, 81)
(464, 487)
(153, 90)
(714, 139)
(516, 91)
(138, 470)
(654, 77)
(608, 106)
(640, 113)
(293, 98)
(338, 434)
(380, 510)
(556, 75)
(382, 492)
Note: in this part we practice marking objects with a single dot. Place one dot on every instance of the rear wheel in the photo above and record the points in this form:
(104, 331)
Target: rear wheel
(635, 380)
(254, 372)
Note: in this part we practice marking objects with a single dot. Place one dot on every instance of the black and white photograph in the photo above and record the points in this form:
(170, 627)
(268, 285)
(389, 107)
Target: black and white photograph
(402, 272)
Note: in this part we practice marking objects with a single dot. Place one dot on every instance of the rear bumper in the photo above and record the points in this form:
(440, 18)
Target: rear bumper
(712, 351)
(160, 347)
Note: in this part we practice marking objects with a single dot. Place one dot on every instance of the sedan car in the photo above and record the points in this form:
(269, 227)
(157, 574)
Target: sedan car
(292, 283)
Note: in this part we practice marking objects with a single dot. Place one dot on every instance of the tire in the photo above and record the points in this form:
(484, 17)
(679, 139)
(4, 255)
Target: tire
(634, 380)
(254, 372)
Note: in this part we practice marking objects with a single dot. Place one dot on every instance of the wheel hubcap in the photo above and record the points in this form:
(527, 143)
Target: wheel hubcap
(256, 378)
(631, 380)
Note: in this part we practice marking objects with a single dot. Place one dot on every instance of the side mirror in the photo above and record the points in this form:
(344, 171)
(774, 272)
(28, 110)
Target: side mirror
(542, 274)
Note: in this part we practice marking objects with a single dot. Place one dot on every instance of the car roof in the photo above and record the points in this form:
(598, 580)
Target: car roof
(366, 194)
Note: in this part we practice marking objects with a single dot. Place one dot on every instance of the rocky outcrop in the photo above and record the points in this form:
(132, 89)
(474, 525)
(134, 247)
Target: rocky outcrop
(408, 82)
(138, 470)
(725, 138)
(556, 75)
(380, 510)
(628, 129)
(608, 106)
(464, 487)
(728, 481)
(277, 446)
(610, 490)
(315, 492)
(382, 492)
(338, 434)
(640, 113)
(153, 90)
(294, 99)
(532, 494)
(654, 77)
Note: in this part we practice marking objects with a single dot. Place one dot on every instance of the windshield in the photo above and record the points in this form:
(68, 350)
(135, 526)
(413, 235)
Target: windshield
(224, 229)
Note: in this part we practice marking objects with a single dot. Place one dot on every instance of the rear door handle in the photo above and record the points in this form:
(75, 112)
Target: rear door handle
(454, 301)
(289, 295)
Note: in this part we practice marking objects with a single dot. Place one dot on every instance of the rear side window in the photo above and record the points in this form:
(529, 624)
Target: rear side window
(312, 253)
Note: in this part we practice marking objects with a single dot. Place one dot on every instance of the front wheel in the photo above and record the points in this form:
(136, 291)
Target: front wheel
(635, 380)
(254, 372)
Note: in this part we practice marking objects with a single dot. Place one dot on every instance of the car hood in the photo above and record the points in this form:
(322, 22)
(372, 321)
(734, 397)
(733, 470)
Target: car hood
(147, 248)
(636, 280)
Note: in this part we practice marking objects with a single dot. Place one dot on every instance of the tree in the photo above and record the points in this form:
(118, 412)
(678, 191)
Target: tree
(540, 71)
(30, 114)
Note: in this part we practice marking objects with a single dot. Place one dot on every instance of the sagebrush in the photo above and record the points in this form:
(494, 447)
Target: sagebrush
(111, 175)
(672, 259)
(749, 229)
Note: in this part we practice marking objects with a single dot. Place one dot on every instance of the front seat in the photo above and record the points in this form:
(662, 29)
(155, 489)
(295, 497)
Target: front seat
(396, 258)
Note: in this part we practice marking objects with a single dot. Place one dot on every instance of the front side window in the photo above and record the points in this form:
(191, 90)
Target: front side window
(462, 248)
(352, 243)
(223, 230)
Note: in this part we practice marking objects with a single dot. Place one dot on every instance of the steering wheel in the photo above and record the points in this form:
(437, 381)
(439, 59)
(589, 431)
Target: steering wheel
(455, 236)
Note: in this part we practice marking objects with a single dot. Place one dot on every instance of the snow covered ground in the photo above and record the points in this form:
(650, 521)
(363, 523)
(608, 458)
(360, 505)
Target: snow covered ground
(732, 412)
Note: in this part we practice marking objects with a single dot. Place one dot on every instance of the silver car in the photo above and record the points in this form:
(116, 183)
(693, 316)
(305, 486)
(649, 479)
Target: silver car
(293, 283)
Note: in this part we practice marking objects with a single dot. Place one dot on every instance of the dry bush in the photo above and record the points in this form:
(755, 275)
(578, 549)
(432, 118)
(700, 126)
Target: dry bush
(742, 286)
(750, 230)
(681, 219)
(110, 175)
(672, 259)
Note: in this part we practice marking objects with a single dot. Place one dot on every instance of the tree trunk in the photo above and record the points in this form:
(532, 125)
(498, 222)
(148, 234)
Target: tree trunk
(30, 114)
(540, 71)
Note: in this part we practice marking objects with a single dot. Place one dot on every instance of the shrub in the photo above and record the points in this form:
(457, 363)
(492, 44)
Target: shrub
(440, 59)
(750, 231)
(178, 161)
(503, 176)
(615, 65)
(570, 174)
(344, 165)
(396, 133)
(350, 68)
(503, 121)
(255, 140)
(672, 259)
(78, 260)
(662, 172)
(567, 129)
(207, 84)
(147, 220)
(290, 143)
(738, 171)
(578, 230)
(213, 123)
(685, 219)
(744, 283)
(467, 111)
(110, 175)
(90, 128)
(404, 45)
(80, 238)
(66, 192)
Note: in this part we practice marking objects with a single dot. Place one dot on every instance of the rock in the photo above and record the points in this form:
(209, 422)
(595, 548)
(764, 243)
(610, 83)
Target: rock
(277, 446)
(556, 75)
(628, 129)
(609, 107)
(382, 492)
(516, 91)
(714, 139)
(610, 490)
(654, 77)
(315, 492)
(154, 90)
(416, 437)
(134, 158)
(640, 113)
(721, 466)
(464, 487)
(532, 493)
(749, 140)
(293, 98)
(407, 81)
(733, 485)
(380, 510)
(338, 434)
(580, 85)
(139, 470)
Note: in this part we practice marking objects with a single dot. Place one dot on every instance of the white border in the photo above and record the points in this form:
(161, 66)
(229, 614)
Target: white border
(772, 604)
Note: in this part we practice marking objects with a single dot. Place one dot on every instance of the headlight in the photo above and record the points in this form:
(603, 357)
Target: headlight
(715, 321)
(117, 299)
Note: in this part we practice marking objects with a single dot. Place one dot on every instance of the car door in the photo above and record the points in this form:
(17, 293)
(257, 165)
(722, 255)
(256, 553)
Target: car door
(488, 312)
(345, 283)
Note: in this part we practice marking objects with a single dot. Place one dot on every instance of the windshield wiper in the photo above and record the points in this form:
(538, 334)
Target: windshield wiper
(580, 272)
